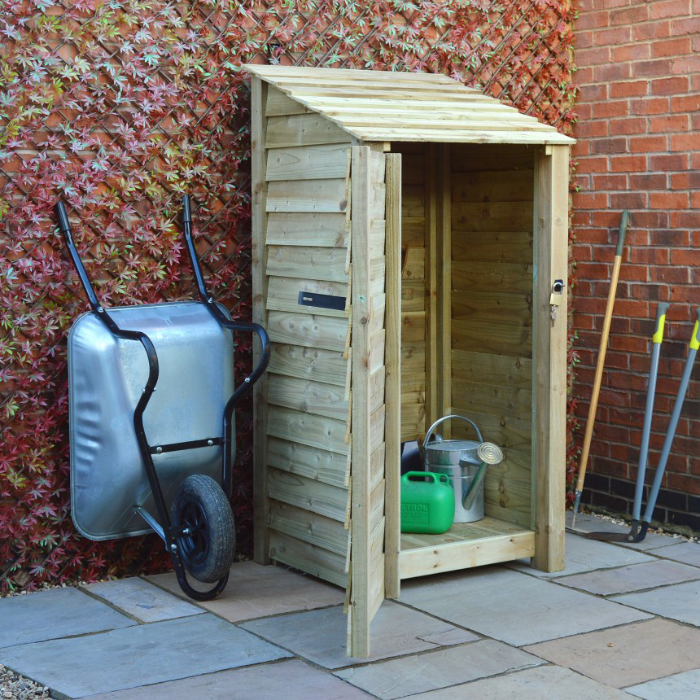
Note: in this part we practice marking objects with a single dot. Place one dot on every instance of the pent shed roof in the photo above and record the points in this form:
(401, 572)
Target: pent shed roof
(393, 106)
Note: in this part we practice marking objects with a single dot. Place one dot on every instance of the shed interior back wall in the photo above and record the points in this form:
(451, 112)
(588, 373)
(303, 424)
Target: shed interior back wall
(472, 353)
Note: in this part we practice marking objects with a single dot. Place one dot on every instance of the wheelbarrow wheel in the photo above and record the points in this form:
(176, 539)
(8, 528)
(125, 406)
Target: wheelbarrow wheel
(204, 528)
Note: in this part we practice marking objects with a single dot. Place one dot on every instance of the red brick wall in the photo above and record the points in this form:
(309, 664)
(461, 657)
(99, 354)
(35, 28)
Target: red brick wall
(638, 149)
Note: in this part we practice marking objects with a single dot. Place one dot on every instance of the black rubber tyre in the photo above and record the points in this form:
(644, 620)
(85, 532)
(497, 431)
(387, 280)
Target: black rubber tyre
(208, 547)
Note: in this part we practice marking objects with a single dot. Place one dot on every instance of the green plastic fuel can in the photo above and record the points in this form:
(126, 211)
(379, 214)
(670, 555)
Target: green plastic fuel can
(427, 503)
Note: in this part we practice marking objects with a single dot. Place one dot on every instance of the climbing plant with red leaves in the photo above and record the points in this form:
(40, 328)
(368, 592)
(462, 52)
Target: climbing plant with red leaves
(119, 106)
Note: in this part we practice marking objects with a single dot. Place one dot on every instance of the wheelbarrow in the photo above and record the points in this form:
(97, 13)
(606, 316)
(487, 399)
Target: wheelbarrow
(152, 442)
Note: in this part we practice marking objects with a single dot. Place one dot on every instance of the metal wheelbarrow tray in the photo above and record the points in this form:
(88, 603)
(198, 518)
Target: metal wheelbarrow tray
(151, 401)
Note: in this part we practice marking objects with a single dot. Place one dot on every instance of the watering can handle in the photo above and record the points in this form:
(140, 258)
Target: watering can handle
(454, 415)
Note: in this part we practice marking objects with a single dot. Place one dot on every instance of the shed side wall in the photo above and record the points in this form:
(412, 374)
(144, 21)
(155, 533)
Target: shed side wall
(306, 457)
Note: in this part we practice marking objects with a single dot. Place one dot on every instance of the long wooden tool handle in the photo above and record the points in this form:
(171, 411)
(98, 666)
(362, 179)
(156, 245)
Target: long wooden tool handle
(601, 352)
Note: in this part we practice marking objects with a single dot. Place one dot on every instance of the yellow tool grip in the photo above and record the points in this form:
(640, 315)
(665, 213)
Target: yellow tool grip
(695, 339)
(660, 321)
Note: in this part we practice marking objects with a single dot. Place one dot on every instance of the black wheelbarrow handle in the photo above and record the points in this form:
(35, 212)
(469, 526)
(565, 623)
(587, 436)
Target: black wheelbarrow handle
(247, 327)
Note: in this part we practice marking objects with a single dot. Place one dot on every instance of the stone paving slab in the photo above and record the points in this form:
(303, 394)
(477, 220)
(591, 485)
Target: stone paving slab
(437, 669)
(682, 686)
(258, 591)
(139, 655)
(686, 553)
(587, 555)
(286, 680)
(680, 602)
(144, 601)
(60, 612)
(627, 655)
(627, 579)
(320, 635)
(546, 683)
(516, 608)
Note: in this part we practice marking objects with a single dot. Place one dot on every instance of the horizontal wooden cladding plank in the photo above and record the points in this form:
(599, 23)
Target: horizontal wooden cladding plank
(377, 467)
(309, 363)
(412, 169)
(309, 527)
(307, 396)
(508, 278)
(412, 421)
(322, 332)
(317, 230)
(283, 295)
(412, 200)
(378, 308)
(413, 327)
(491, 337)
(310, 462)
(462, 119)
(280, 104)
(496, 307)
(512, 246)
(376, 428)
(484, 368)
(508, 486)
(413, 231)
(375, 593)
(441, 110)
(470, 157)
(412, 359)
(303, 130)
(370, 86)
(323, 162)
(507, 432)
(376, 349)
(278, 72)
(307, 429)
(314, 496)
(491, 398)
(492, 216)
(465, 554)
(309, 263)
(413, 263)
(308, 196)
(376, 504)
(435, 134)
(377, 271)
(412, 295)
(493, 186)
(376, 388)
(303, 556)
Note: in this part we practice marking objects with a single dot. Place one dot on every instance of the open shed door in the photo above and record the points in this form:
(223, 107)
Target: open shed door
(375, 419)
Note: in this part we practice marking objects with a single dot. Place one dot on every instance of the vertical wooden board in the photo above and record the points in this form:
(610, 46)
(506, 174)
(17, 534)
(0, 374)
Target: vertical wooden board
(259, 264)
(549, 420)
(432, 265)
(367, 428)
(392, 581)
(444, 287)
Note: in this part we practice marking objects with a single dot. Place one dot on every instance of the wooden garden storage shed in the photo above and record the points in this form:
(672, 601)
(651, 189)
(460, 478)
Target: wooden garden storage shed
(408, 234)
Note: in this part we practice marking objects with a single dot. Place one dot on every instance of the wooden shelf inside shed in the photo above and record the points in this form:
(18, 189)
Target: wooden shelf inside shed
(464, 545)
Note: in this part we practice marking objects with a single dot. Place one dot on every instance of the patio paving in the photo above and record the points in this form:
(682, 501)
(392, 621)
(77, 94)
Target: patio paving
(619, 622)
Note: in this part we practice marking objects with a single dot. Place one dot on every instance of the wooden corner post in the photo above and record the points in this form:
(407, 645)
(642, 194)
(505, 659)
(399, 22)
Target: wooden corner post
(259, 227)
(549, 380)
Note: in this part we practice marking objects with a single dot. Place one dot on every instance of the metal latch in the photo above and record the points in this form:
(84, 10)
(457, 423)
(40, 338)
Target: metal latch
(555, 298)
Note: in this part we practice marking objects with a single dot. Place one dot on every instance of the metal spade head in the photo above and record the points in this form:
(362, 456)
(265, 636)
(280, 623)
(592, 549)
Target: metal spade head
(489, 453)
